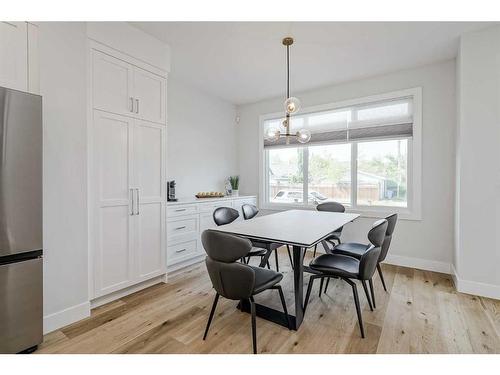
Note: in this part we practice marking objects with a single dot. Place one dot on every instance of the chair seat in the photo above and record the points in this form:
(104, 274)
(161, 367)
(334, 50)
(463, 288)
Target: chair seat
(264, 279)
(266, 245)
(256, 251)
(336, 265)
(352, 249)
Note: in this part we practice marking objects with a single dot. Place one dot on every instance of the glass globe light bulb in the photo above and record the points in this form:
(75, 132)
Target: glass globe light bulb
(273, 134)
(304, 135)
(292, 105)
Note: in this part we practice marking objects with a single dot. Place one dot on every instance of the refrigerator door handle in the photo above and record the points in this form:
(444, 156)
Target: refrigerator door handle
(138, 202)
(132, 202)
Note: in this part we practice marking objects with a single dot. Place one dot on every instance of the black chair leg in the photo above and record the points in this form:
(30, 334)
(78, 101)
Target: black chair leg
(276, 259)
(373, 294)
(367, 295)
(214, 305)
(268, 266)
(358, 309)
(314, 253)
(254, 327)
(282, 298)
(289, 255)
(379, 269)
(321, 287)
(327, 282)
(309, 288)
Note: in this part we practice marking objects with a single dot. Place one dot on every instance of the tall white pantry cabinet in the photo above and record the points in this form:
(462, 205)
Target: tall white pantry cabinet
(128, 187)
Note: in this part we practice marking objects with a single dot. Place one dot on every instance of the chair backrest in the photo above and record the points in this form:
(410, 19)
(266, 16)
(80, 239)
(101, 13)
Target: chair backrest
(225, 215)
(230, 279)
(369, 260)
(331, 207)
(249, 211)
(391, 224)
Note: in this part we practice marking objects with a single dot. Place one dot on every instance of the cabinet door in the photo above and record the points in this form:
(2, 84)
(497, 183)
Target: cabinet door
(150, 206)
(150, 96)
(113, 234)
(14, 55)
(111, 84)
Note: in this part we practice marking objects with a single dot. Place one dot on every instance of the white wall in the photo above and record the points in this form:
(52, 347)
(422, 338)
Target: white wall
(427, 243)
(201, 135)
(477, 253)
(63, 86)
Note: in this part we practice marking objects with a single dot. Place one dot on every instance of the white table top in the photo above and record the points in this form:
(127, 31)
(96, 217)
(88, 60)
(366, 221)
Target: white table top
(294, 227)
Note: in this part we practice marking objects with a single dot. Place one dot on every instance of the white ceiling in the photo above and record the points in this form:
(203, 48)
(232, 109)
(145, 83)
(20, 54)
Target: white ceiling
(244, 62)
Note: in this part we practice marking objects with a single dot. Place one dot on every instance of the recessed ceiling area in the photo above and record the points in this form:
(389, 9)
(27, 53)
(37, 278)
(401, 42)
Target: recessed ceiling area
(244, 62)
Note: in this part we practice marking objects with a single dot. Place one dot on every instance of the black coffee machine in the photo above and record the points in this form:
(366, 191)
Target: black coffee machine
(171, 191)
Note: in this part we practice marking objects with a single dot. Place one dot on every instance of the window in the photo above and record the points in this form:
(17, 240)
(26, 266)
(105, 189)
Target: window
(382, 173)
(363, 153)
(330, 173)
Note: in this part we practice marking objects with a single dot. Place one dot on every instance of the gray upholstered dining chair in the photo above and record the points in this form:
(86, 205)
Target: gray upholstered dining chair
(335, 236)
(349, 268)
(226, 215)
(249, 212)
(236, 281)
(357, 249)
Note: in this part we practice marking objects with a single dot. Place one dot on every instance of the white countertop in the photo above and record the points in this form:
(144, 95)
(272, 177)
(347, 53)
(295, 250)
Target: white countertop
(187, 200)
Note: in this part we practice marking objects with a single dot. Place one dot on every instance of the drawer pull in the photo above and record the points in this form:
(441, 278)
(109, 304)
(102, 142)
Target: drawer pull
(180, 209)
(179, 228)
(180, 251)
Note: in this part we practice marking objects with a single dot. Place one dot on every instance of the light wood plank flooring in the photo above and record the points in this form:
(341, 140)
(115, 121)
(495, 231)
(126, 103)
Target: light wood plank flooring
(421, 313)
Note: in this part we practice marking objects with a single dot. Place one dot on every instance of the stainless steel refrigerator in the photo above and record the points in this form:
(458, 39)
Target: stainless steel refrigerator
(21, 284)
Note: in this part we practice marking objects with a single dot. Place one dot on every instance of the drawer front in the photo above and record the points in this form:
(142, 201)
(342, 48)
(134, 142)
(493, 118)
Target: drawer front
(180, 210)
(182, 251)
(241, 202)
(183, 229)
(211, 206)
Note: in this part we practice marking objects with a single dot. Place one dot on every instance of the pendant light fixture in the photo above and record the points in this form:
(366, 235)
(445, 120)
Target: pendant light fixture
(291, 105)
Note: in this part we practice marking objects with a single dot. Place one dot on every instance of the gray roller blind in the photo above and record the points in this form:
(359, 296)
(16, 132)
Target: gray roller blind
(387, 119)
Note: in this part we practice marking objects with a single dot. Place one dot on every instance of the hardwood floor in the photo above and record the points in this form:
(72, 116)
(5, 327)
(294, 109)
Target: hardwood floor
(421, 313)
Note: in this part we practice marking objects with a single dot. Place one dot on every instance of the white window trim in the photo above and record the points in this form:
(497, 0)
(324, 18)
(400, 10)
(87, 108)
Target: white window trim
(414, 209)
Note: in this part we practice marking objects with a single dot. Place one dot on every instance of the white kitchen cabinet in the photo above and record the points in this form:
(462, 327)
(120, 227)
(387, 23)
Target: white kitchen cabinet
(111, 83)
(123, 88)
(129, 199)
(149, 93)
(186, 221)
(113, 224)
(14, 55)
(149, 177)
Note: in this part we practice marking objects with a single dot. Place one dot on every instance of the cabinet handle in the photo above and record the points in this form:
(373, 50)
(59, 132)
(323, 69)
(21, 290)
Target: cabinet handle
(132, 205)
(131, 104)
(179, 228)
(137, 105)
(180, 251)
(138, 201)
(180, 209)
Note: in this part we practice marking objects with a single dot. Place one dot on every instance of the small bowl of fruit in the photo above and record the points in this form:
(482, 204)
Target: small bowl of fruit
(209, 194)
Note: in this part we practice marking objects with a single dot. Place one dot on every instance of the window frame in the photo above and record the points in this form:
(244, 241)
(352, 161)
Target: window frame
(413, 211)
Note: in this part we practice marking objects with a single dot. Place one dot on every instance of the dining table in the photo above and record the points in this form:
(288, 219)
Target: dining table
(299, 229)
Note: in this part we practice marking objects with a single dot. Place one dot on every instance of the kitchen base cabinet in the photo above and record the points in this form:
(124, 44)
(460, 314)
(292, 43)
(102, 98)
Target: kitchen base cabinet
(186, 221)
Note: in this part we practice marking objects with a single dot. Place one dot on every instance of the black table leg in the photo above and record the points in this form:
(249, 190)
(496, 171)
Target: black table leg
(298, 279)
(265, 258)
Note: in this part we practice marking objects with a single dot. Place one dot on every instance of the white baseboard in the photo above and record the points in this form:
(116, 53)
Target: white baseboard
(475, 287)
(64, 317)
(418, 263)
